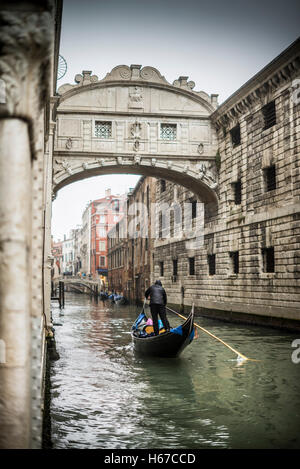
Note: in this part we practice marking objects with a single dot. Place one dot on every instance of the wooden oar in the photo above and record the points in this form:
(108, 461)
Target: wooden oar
(240, 355)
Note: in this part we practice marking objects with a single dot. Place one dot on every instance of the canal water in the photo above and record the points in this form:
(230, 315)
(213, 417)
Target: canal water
(105, 396)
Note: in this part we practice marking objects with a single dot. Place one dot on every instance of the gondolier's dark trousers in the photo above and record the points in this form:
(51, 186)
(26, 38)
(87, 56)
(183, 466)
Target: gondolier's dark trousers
(161, 311)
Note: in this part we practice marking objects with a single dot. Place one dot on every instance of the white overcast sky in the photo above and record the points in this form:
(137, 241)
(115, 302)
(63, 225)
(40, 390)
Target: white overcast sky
(218, 44)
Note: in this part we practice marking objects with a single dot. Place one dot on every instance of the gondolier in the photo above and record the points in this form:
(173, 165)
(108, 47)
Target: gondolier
(158, 301)
(169, 344)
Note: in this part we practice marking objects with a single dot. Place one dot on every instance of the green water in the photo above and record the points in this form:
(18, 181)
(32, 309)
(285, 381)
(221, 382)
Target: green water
(105, 396)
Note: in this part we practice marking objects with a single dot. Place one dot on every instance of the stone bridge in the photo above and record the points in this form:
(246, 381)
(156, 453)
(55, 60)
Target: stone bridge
(133, 121)
(81, 285)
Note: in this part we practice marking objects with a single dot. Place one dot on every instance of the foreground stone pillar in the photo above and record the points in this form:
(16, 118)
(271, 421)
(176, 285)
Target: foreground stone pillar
(29, 44)
(15, 275)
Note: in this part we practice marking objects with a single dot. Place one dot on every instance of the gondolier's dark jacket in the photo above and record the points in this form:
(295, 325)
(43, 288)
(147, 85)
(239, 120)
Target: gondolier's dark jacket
(157, 294)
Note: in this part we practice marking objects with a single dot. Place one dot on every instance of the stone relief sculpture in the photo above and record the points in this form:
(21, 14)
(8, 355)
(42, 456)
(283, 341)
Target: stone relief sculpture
(200, 148)
(65, 165)
(135, 132)
(136, 129)
(137, 159)
(69, 144)
(206, 172)
(136, 98)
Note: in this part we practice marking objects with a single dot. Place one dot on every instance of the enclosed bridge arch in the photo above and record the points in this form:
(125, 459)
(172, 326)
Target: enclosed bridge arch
(133, 121)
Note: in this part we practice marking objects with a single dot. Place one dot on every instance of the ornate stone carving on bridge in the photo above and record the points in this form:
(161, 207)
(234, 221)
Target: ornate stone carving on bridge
(207, 172)
(136, 98)
(135, 73)
(135, 132)
(69, 144)
(86, 78)
(183, 82)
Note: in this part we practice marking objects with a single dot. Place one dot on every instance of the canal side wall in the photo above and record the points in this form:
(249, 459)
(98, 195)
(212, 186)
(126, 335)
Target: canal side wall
(252, 294)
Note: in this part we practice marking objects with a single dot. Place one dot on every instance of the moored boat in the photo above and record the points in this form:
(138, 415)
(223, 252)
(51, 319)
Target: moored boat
(166, 344)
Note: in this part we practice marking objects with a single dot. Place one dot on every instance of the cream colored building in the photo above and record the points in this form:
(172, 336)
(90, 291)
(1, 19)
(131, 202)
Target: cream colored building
(85, 247)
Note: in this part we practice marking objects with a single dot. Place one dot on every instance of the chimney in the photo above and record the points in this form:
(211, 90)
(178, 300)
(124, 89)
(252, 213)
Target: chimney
(107, 192)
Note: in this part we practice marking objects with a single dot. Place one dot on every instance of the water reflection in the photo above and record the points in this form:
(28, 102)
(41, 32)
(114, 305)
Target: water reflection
(105, 396)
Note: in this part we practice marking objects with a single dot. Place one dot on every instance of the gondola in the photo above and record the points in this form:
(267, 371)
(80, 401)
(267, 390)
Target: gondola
(166, 344)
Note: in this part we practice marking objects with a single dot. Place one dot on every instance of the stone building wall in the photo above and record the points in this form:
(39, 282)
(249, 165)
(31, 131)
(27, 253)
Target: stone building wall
(130, 250)
(180, 239)
(258, 211)
(139, 243)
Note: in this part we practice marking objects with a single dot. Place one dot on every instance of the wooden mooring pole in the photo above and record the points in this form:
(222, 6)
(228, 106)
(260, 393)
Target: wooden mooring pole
(61, 297)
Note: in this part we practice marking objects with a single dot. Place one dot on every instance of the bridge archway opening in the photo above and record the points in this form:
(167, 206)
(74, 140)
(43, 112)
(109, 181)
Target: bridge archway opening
(205, 194)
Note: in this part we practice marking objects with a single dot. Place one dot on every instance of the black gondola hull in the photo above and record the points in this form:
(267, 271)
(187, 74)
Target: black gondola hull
(168, 344)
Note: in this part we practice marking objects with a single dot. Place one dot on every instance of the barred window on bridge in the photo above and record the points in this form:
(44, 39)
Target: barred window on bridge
(168, 131)
(102, 129)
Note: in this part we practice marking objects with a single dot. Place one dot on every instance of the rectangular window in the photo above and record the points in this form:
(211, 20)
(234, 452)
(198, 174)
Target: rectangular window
(160, 225)
(175, 266)
(102, 261)
(162, 185)
(102, 246)
(102, 129)
(234, 256)
(269, 114)
(168, 131)
(116, 205)
(211, 260)
(191, 266)
(270, 178)
(237, 192)
(194, 209)
(268, 259)
(161, 269)
(235, 135)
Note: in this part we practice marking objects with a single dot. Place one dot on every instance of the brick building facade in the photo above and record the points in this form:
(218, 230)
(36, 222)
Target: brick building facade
(130, 249)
